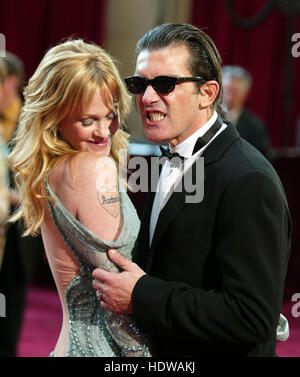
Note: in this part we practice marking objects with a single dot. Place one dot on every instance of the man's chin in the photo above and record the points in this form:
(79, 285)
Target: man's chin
(157, 139)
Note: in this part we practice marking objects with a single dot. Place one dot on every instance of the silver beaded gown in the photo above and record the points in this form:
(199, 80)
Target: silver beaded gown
(92, 330)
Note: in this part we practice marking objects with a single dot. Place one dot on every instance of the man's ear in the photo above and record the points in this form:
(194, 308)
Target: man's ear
(208, 93)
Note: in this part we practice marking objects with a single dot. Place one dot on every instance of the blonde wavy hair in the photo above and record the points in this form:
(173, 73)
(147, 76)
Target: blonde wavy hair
(65, 81)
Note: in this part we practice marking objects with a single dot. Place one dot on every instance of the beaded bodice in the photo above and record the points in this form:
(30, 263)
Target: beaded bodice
(92, 330)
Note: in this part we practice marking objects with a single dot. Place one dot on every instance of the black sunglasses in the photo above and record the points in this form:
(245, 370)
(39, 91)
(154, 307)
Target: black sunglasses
(161, 84)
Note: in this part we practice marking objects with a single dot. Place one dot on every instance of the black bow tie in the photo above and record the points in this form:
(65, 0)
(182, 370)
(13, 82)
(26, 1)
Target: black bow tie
(200, 143)
(166, 153)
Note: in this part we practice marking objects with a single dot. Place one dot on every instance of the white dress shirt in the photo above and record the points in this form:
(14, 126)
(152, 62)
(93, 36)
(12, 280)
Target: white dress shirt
(171, 175)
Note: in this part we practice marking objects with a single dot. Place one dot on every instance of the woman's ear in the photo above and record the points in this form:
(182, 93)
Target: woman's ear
(208, 93)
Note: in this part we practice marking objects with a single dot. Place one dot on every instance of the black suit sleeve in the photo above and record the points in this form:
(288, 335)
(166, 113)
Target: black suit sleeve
(252, 232)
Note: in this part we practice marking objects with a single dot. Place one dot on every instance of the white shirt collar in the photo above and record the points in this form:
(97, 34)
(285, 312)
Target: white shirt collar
(185, 148)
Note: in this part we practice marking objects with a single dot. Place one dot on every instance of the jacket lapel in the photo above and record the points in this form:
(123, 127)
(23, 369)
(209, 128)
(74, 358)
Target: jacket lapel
(144, 237)
(167, 215)
(220, 145)
(178, 199)
(145, 222)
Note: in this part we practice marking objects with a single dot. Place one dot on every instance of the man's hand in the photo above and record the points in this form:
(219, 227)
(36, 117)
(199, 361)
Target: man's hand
(116, 288)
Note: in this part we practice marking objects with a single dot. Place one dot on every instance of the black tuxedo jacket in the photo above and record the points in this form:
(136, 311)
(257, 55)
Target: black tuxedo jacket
(216, 269)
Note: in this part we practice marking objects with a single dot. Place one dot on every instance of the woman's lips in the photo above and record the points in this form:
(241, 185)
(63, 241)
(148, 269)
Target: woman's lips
(101, 143)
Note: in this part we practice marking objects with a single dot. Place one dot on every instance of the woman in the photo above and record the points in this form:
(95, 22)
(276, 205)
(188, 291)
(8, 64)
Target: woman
(65, 159)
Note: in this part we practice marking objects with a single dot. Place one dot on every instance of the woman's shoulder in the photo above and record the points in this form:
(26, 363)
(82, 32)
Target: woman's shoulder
(90, 165)
(83, 169)
(91, 158)
(87, 186)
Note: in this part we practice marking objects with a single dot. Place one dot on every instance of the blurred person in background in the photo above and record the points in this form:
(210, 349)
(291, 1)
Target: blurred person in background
(4, 191)
(12, 94)
(237, 83)
(19, 255)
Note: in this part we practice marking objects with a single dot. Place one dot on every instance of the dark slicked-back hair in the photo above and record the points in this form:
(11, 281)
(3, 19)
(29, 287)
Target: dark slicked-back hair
(204, 60)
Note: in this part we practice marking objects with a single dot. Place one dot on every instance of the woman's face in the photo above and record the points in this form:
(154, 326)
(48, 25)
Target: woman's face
(90, 131)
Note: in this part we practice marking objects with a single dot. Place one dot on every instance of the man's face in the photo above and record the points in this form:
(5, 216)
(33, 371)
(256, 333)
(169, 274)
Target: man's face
(167, 117)
(234, 93)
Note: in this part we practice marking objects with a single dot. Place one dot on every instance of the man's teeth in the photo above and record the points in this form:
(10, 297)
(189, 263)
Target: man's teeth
(156, 116)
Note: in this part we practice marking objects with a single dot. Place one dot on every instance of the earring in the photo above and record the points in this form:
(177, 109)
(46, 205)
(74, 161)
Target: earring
(115, 125)
(117, 112)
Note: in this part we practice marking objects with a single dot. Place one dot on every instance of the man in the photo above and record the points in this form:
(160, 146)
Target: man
(237, 84)
(208, 277)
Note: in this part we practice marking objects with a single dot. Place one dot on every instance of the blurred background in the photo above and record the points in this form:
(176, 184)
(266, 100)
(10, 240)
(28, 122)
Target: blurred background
(261, 36)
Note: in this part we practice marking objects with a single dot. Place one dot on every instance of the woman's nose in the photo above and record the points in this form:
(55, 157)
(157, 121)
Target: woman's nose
(102, 129)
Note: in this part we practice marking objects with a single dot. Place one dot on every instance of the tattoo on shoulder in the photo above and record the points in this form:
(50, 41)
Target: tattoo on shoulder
(109, 200)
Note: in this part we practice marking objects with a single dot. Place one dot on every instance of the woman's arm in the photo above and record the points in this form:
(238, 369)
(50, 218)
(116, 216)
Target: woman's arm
(88, 188)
